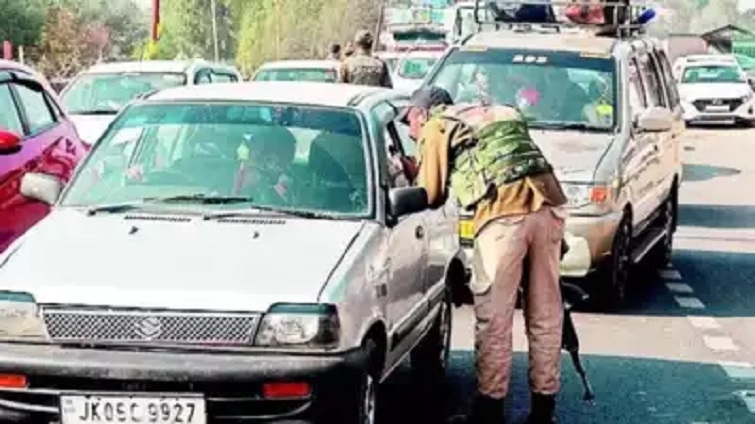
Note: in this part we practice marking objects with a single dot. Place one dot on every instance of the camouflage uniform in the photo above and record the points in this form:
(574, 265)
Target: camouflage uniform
(365, 69)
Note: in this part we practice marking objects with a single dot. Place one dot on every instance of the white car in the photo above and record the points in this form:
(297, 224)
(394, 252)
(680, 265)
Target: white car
(714, 90)
(96, 95)
(298, 70)
(412, 68)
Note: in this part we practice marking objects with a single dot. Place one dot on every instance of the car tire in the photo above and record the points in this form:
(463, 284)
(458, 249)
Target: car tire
(660, 256)
(614, 284)
(429, 359)
(363, 407)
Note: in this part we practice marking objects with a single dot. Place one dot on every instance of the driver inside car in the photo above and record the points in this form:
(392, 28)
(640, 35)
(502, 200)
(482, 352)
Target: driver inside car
(265, 158)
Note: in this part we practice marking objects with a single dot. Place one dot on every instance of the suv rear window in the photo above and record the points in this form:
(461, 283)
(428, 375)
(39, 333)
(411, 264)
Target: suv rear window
(551, 88)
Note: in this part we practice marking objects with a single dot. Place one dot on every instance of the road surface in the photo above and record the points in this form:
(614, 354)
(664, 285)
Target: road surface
(683, 352)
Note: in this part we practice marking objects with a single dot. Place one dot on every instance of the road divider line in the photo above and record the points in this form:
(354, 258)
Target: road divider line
(705, 323)
(670, 274)
(738, 370)
(689, 302)
(720, 343)
(680, 288)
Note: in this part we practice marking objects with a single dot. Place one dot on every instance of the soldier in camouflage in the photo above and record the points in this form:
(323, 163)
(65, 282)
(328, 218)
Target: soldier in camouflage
(483, 154)
(362, 67)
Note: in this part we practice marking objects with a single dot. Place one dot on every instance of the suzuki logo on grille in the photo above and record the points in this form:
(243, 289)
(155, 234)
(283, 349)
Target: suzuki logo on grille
(148, 328)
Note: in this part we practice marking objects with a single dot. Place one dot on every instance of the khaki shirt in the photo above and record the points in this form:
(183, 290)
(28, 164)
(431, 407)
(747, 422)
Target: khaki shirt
(518, 198)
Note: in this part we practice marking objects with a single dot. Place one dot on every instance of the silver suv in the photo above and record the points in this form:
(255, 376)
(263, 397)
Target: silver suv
(606, 113)
(226, 252)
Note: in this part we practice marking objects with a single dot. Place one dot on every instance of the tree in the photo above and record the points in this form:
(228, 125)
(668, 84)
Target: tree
(60, 47)
(21, 21)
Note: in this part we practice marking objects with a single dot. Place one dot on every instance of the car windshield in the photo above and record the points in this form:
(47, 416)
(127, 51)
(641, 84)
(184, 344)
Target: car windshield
(712, 74)
(416, 67)
(314, 75)
(109, 93)
(391, 62)
(553, 89)
(292, 158)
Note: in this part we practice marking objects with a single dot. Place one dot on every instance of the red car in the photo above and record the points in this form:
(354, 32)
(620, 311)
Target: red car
(35, 136)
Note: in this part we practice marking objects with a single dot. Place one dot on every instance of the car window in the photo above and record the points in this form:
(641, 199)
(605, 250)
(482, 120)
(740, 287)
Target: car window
(415, 67)
(37, 111)
(9, 119)
(637, 99)
(286, 157)
(110, 92)
(313, 75)
(219, 77)
(668, 78)
(653, 86)
(203, 77)
(549, 87)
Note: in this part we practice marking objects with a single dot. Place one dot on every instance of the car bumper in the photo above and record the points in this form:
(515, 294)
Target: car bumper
(230, 383)
(589, 239)
(745, 112)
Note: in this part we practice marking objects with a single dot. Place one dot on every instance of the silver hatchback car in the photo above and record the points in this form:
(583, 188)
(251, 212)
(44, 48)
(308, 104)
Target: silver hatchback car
(233, 251)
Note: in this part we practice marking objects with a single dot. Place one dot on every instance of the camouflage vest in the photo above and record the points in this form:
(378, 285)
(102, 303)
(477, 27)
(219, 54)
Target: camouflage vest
(498, 151)
(365, 70)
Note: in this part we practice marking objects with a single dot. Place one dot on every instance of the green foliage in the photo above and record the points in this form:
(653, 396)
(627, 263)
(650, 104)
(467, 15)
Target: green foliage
(21, 21)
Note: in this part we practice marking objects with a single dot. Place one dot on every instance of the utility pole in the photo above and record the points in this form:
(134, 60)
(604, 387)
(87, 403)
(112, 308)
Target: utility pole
(214, 7)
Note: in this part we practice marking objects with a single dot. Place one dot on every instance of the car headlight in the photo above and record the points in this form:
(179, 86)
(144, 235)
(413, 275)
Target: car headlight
(20, 318)
(583, 194)
(306, 325)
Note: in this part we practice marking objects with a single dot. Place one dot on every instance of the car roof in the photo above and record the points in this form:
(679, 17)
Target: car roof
(576, 42)
(300, 64)
(295, 92)
(422, 54)
(166, 66)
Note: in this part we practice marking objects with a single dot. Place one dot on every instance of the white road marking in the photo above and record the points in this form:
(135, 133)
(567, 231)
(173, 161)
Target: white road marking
(670, 274)
(705, 323)
(738, 370)
(679, 288)
(689, 302)
(720, 343)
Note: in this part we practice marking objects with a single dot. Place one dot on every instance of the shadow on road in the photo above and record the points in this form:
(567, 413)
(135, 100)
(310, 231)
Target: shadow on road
(629, 390)
(717, 216)
(695, 172)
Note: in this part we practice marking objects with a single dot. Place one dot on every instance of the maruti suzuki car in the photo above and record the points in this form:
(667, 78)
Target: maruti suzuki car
(235, 252)
(37, 136)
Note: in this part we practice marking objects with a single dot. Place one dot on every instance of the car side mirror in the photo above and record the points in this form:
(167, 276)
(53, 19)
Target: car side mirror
(655, 119)
(10, 143)
(751, 82)
(406, 201)
(42, 187)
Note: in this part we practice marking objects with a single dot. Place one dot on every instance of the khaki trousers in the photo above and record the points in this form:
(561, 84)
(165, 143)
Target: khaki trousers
(500, 250)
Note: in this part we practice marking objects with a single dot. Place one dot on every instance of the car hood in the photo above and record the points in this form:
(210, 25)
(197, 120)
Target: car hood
(574, 155)
(91, 127)
(693, 92)
(176, 262)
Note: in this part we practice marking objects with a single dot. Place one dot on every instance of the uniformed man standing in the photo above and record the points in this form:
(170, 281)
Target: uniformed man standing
(484, 155)
(362, 67)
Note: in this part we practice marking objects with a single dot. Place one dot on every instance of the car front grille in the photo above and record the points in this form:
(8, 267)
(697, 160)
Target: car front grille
(702, 104)
(67, 324)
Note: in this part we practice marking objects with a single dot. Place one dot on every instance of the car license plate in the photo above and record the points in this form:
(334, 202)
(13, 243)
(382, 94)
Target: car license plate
(466, 229)
(96, 409)
(717, 109)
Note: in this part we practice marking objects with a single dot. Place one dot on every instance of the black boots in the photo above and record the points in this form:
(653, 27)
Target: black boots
(485, 410)
(542, 409)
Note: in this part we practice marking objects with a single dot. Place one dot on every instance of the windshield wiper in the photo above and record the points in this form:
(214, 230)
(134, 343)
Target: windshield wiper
(191, 198)
(95, 112)
(254, 210)
(578, 126)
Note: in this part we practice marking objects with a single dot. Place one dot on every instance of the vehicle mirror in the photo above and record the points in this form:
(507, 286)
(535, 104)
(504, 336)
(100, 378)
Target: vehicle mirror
(42, 187)
(407, 200)
(10, 142)
(655, 119)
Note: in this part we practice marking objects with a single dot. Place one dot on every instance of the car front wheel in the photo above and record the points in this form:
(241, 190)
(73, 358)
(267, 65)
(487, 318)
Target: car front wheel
(615, 277)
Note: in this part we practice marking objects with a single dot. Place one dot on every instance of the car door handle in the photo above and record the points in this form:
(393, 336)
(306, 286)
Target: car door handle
(419, 232)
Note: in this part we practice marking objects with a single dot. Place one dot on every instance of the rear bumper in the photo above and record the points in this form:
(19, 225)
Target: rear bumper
(231, 383)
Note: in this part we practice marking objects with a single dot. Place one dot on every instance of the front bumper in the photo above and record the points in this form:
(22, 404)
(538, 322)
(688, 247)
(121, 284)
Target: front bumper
(589, 239)
(742, 113)
(231, 383)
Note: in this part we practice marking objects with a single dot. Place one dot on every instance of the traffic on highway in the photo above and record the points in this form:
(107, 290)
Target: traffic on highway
(546, 219)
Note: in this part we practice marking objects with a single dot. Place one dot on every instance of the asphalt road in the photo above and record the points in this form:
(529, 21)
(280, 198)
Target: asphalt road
(683, 352)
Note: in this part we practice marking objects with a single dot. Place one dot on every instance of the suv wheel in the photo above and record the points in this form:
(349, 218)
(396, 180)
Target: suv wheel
(430, 357)
(660, 257)
(615, 281)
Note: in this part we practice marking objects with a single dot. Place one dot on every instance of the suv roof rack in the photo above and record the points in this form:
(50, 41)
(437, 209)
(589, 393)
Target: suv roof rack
(622, 18)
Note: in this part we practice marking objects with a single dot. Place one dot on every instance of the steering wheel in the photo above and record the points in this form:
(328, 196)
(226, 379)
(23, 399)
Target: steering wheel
(168, 177)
